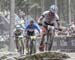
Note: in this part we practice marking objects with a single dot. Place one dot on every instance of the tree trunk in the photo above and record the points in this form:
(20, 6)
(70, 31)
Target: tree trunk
(12, 23)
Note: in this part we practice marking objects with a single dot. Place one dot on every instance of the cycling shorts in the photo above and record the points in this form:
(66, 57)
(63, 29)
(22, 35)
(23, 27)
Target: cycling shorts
(45, 24)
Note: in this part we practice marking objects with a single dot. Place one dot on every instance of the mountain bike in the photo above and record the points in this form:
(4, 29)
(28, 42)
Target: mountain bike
(19, 43)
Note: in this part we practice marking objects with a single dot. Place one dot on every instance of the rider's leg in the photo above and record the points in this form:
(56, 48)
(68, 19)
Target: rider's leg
(42, 42)
(42, 39)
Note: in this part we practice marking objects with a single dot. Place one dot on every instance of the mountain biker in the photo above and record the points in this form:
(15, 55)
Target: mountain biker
(18, 32)
(30, 29)
(51, 18)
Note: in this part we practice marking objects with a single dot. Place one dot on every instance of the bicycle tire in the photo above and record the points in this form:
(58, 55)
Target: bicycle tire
(51, 41)
(18, 45)
(50, 44)
(22, 47)
(34, 46)
(31, 47)
(47, 41)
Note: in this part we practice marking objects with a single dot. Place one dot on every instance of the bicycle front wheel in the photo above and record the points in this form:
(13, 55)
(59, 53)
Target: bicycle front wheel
(32, 47)
(51, 38)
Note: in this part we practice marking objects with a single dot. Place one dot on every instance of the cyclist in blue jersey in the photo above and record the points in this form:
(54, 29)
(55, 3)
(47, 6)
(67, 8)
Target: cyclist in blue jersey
(30, 31)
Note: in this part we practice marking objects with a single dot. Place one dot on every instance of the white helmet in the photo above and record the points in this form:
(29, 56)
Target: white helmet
(19, 27)
(53, 8)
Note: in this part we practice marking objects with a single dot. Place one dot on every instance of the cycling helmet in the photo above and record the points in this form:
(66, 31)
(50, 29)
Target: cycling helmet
(31, 21)
(53, 8)
(19, 27)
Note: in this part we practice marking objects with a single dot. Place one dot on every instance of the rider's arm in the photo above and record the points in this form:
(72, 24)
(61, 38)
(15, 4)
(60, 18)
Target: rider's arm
(58, 23)
(57, 20)
(27, 27)
(42, 16)
(40, 19)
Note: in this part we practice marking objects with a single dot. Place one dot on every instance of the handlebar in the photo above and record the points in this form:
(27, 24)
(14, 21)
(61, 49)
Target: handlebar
(58, 29)
(40, 24)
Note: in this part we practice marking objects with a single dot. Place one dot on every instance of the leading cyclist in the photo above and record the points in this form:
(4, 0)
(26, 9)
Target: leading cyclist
(51, 18)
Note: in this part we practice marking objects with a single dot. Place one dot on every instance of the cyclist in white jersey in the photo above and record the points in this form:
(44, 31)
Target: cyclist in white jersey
(48, 18)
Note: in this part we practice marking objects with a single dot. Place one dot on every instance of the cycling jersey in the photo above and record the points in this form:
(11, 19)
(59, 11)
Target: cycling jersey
(30, 29)
(48, 18)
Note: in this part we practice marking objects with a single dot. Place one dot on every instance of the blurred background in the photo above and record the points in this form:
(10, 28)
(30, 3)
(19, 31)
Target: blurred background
(29, 9)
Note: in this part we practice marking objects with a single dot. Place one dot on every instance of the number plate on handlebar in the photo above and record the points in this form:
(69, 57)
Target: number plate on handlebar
(21, 36)
(50, 27)
(33, 37)
(30, 30)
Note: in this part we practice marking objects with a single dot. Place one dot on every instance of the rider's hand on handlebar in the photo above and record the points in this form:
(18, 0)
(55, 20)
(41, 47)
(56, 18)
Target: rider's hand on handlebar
(60, 29)
(40, 22)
